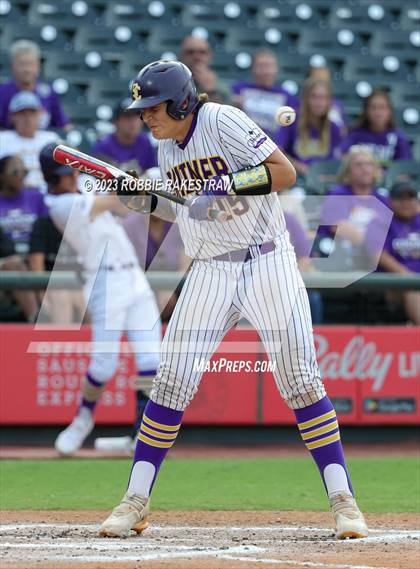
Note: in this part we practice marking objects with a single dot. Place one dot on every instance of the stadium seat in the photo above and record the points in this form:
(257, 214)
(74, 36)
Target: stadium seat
(104, 91)
(48, 38)
(83, 115)
(164, 39)
(403, 171)
(80, 67)
(372, 69)
(213, 15)
(10, 14)
(359, 17)
(293, 66)
(236, 40)
(410, 16)
(386, 42)
(337, 43)
(112, 43)
(63, 15)
(405, 94)
(131, 64)
(281, 16)
(321, 176)
(128, 13)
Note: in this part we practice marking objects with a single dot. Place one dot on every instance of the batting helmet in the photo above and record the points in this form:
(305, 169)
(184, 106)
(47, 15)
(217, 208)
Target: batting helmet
(165, 81)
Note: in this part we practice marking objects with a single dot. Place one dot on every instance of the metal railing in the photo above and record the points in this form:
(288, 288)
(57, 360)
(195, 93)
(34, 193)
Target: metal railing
(15, 280)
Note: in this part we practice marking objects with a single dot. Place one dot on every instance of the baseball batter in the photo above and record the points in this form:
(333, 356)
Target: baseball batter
(88, 224)
(245, 267)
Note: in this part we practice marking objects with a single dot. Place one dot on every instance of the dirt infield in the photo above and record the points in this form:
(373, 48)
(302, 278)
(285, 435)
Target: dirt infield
(206, 540)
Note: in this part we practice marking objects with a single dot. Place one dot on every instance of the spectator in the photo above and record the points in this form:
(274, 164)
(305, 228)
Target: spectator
(359, 176)
(302, 246)
(128, 147)
(49, 251)
(19, 206)
(196, 53)
(261, 97)
(313, 136)
(25, 299)
(376, 128)
(337, 112)
(401, 251)
(158, 247)
(26, 140)
(26, 65)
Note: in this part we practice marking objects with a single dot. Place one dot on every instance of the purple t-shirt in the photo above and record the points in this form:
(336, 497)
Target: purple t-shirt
(386, 146)
(261, 103)
(164, 256)
(298, 237)
(18, 214)
(138, 156)
(288, 140)
(53, 117)
(360, 210)
(402, 241)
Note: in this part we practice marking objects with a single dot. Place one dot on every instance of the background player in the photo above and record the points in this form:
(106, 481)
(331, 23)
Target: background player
(116, 291)
(245, 267)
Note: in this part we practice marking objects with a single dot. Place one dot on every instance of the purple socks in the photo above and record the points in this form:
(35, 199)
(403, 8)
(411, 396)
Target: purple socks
(158, 431)
(319, 429)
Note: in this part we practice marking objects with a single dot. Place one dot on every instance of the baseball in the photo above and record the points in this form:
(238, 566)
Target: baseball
(285, 116)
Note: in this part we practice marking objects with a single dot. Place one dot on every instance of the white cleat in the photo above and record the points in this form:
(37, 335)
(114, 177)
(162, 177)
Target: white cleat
(130, 515)
(349, 520)
(72, 438)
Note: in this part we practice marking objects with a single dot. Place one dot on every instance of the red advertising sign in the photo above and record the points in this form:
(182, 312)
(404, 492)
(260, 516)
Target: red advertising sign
(371, 373)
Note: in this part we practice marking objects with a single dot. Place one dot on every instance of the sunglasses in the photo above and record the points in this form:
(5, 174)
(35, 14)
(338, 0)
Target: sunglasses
(193, 51)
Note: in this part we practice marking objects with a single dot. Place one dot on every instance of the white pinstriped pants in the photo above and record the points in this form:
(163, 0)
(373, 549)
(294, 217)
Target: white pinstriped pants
(269, 292)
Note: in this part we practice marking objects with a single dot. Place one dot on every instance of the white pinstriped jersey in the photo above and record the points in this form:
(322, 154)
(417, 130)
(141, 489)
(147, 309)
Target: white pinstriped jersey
(222, 139)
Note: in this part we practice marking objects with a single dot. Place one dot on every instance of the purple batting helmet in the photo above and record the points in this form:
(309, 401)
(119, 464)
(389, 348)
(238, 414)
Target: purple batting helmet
(165, 81)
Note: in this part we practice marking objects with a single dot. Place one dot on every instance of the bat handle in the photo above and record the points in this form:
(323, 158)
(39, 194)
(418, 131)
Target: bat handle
(218, 215)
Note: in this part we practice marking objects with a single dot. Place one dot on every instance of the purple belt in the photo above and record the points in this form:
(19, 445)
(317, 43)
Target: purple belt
(244, 255)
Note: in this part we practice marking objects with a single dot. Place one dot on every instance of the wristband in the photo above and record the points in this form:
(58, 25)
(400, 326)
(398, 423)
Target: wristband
(251, 182)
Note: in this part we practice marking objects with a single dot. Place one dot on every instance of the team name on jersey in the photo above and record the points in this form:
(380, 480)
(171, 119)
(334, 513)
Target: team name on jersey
(197, 169)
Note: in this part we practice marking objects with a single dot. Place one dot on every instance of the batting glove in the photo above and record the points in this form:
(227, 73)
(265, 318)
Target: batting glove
(133, 196)
(199, 206)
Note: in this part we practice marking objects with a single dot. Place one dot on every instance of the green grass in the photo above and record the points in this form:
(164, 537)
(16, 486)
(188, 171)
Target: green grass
(382, 484)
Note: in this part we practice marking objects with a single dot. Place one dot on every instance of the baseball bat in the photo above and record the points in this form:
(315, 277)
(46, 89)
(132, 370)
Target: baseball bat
(87, 164)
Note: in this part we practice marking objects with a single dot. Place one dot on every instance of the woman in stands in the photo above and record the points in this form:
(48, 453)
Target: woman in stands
(314, 136)
(376, 128)
(349, 207)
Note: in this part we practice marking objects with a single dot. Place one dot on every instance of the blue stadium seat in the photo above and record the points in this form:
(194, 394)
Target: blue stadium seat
(81, 114)
(293, 66)
(163, 39)
(138, 16)
(403, 171)
(377, 70)
(10, 13)
(47, 37)
(386, 42)
(272, 38)
(405, 94)
(131, 64)
(338, 43)
(63, 15)
(103, 91)
(410, 16)
(274, 14)
(364, 18)
(113, 43)
(80, 67)
(213, 15)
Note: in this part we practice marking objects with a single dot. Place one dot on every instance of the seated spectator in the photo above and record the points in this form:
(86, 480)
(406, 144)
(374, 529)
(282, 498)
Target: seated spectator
(158, 247)
(313, 136)
(302, 246)
(128, 147)
(262, 96)
(376, 128)
(26, 140)
(337, 112)
(196, 53)
(19, 206)
(359, 176)
(48, 251)
(401, 251)
(25, 299)
(26, 65)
